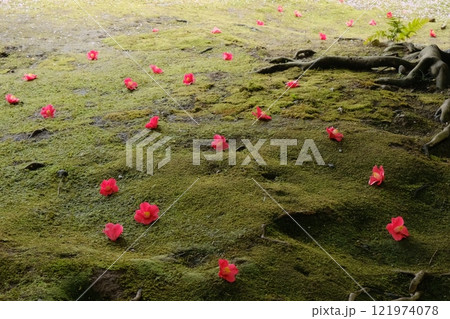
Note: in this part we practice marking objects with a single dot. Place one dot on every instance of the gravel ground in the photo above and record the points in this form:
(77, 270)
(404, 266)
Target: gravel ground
(439, 9)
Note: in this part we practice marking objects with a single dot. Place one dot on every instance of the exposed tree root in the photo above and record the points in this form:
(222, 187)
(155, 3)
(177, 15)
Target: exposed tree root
(138, 295)
(339, 62)
(443, 112)
(414, 297)
(431, 61)
(353, 295)
(439, 137)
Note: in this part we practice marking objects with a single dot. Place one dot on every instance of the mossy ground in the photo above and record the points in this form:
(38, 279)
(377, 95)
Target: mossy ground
(51, 245)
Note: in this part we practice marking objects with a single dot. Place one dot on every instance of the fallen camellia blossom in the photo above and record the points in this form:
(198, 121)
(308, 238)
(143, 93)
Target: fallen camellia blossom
(146, 214)
(48, 111)
(292, 84)
(280, 9)
(216, 30)
(349, 23)
(113, 231)
(259, 22)
(261, 115)
(92, 55)
(155, 30)
(153, 124)
(189, 79)
(29, 77)
(155, 69)
(389, 15)
(130, 84)
(432, 33)
(377, 176)
(297, 14)
(372, 22)
(219, 143)
(227, 271)
(108, 187)
(227, 56)
(322, 36)
(11, 99)
(334, 134)
(397, 229)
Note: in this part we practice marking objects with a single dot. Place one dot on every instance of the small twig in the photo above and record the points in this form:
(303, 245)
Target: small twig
(263, 236)
(59, 186)
(431, 259)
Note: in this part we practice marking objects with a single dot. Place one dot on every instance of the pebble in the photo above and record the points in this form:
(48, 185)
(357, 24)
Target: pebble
(62, 173)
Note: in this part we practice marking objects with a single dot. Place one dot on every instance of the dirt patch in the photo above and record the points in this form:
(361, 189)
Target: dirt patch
(36, 135)
(191, 257)
(107, 288)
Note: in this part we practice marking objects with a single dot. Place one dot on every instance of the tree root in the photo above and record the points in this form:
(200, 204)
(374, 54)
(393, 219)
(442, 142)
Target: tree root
(138, 295)
(303, 54)
(339, 62)
(353, 295)
(443, 112)
(431, 61)
(439, 137)
(414, 297)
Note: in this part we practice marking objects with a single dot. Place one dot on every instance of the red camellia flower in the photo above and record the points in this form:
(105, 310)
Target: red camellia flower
(130, 84)
(11, 99)
(189, 79)
(259, 22)
(146, 214)
(334, 134)
(155, 30)
(219, 143)
(292, 84)
(92, 55)
(349, 23)
(260, 115)
(108, 187)
(227, 271)
(377, 175)
(227, 56)
(372, 22)
(297, 14)
(29, 77)
(48, 111)
(432, 33)
(155, 69)
(153, 124)
(322, 36)
(216, 30)
(113, 231)
(397, 229)
(389, 15)
(280, 9)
